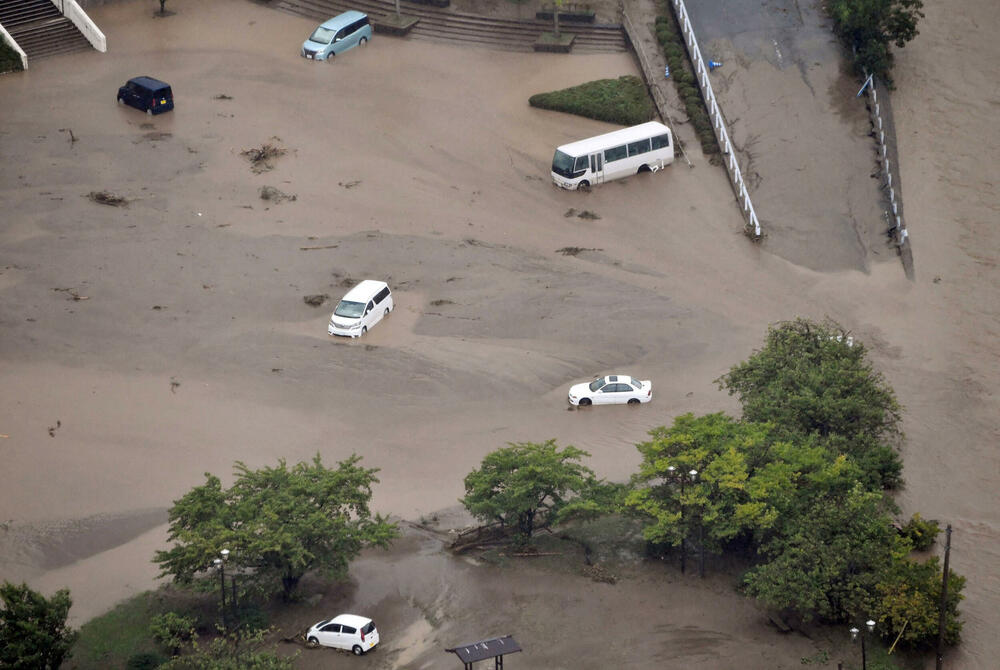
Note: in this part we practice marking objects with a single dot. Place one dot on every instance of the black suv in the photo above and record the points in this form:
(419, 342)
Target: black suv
(150, 95)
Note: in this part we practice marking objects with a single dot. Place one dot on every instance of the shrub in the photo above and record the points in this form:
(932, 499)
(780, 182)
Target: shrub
(624, 101)
(145, 660)
(668, 34)
(920, 533)
(908, 604)
(10, 60)
(172, 630)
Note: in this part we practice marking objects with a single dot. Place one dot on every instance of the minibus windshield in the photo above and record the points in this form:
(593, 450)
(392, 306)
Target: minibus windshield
(349, 310)
(322, 35)
(562, 164)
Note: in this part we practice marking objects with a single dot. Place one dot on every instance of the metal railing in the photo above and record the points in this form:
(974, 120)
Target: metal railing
(718, 122)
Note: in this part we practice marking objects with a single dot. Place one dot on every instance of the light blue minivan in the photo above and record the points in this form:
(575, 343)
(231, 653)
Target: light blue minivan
(337, 35)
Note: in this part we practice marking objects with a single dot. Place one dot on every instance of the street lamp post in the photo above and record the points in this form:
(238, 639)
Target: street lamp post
(682, 478)
(220, 565)
(869, 628)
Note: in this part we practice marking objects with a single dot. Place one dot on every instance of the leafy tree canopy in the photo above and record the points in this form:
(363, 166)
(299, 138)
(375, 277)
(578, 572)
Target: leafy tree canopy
(909, 603)
(278, 523)
(869, 27)
(830, 561)
(526, 484)
(811, 379)
(33, 630)
(720, 496)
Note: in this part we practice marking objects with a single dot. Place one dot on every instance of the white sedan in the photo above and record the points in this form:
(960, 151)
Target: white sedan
(611, 390)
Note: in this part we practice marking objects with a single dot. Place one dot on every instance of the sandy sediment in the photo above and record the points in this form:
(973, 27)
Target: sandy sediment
(422, 164)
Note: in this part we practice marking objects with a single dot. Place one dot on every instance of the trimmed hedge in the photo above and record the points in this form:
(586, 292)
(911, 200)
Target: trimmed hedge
(624, 101)
(672, 43)
(10, 60)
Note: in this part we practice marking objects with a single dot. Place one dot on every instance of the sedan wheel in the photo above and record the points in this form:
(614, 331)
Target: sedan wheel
(584, 402)
(312, 643)
(633, 401)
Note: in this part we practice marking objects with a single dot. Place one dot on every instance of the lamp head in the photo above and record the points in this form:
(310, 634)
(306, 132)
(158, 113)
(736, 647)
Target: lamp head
(854, 633)
(871, 625)
(225, 554)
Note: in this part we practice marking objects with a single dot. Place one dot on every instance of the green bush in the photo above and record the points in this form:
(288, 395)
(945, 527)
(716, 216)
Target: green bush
(145, 660)
(674, 51)
(624, 101)
(10, 60)
(920, 533)
(172, 630)
(908, 604)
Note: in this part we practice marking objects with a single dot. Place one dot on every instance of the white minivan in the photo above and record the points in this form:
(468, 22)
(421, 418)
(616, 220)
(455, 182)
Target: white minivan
(364, 305)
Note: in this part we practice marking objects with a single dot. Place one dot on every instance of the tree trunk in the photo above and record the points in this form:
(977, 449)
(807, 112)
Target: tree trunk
(162, 3)
(288, 584)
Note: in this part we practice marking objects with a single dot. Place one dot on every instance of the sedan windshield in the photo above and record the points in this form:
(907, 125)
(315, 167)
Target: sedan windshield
(597, 383)
(349, 310)
(322, 35)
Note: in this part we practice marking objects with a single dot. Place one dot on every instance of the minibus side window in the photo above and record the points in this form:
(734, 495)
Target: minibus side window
(661, 141)
(640, 147)
(615, 154)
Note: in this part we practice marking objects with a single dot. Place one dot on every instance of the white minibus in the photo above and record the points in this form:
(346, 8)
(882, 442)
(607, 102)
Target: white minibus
(620, 153)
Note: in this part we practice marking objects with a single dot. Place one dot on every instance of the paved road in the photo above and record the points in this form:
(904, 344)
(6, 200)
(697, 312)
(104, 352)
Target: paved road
(802, 136)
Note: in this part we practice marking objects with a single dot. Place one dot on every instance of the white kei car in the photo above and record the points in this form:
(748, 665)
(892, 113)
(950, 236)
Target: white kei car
(346, 631)
(611, 390)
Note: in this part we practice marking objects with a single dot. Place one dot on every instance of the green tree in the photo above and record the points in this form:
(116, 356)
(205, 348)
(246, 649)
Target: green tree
(525, 485)
(869, 27)
(722, 501)
(33, 630)
(828, 561)
(278, 523)
(812, 379)
(909, 602)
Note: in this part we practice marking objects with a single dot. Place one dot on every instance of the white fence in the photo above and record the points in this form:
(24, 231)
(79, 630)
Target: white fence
(72, 11)
(718, 122)
(5, 36)
(885, 136)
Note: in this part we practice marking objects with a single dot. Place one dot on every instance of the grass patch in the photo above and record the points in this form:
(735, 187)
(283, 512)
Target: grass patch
(672, 42)
(624, 101)
(109, 640)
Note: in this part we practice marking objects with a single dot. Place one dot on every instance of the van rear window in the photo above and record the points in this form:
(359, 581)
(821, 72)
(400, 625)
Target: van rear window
(368, 628)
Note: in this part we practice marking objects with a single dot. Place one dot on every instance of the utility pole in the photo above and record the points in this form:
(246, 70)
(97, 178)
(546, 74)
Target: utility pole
(944, 597)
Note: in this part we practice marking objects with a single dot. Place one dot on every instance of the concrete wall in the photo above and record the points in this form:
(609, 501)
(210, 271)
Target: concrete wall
(72, 11)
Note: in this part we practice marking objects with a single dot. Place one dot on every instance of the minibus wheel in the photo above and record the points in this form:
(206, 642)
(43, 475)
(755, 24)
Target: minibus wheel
(386, 313)
(364, 329)
(363, 41)
(583, 186)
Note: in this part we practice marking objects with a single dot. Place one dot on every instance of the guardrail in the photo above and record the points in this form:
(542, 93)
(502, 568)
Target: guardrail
(718, 122)
(72, 11)
(5, 36)
(884, 131)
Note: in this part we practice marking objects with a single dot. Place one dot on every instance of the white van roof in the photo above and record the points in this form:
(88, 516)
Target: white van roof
(364, 291)
(614, 138)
